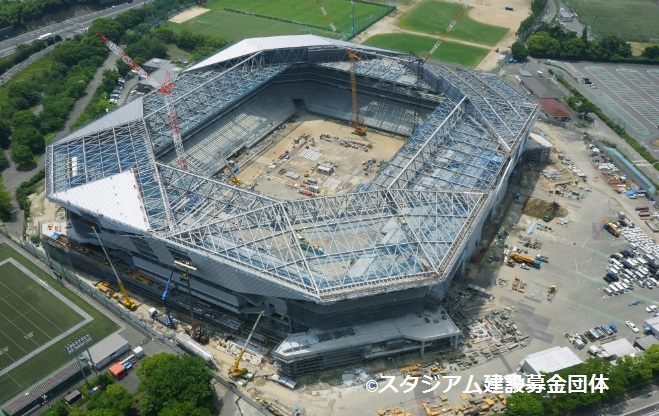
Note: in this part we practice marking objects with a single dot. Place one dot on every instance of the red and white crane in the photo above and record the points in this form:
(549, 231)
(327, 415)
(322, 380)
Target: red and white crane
(166, 91)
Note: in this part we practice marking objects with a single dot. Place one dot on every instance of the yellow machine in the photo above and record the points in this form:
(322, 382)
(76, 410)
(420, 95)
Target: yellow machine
(125, 299)
(354, 57)
(235, 370)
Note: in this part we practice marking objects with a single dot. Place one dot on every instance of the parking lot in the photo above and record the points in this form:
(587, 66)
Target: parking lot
(629, 94)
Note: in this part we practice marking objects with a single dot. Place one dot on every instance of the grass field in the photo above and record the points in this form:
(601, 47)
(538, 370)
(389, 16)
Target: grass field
(632, 20)
(234, 26)
(26, 307)
(433, 17)
(420, 45)
(30, 315)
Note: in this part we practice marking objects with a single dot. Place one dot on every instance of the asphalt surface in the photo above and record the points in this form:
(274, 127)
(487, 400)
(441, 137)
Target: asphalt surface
(67, 28)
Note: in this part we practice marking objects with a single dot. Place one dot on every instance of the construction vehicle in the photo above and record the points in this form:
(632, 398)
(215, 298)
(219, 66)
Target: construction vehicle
(231, 174)
(235, 371)
(309, 246)
(103, 286)
(164, 89)
(196, 332)
(612, 229)
(520, 258)
(168, 321)
(551, 292)
(353, 57)
(125, 299)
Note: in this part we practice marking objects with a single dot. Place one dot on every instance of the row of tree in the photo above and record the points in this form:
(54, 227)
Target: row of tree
(537, 9)
(169, 385)
(24, 51)
(20, 13)
(627, 373)
(555, 42)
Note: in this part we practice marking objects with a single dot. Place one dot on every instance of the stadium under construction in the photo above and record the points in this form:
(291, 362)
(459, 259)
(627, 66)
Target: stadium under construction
(352, 272)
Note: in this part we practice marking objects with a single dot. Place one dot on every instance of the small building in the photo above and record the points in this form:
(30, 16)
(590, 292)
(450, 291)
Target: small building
(327, 170)
(554, 110)
(550, 360)
(643, 343)
(158, 70)
(72, 397)
(653, 324)
(537, 149)
(117, 370)
(107, 350)
(541, 87)
(565, 15)
(619, 348)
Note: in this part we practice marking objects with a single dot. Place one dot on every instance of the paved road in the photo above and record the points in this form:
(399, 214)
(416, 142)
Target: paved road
(67, 28)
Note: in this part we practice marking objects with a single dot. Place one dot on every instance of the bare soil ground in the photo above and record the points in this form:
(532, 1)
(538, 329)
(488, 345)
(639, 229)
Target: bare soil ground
(263, 172)
(188, 14)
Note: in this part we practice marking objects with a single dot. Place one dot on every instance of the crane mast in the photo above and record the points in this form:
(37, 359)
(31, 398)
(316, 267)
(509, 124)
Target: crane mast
(446, 31)
(354, 57)
(164, 89)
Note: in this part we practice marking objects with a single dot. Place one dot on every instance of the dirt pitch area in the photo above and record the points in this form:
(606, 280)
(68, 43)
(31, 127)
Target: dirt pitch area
(284, 178)
(188, 14)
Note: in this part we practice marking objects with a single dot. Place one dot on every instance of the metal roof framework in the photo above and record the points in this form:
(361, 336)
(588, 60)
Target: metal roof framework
(406, 229)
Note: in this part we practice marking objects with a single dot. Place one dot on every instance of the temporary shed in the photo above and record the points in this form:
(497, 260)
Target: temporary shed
(619, 348)
(107, 350)
(550, 360)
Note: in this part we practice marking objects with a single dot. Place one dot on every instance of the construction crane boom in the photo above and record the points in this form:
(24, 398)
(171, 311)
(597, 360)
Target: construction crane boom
(354, 57)
(235, 370)
(125, 299)
(164, 297)
(446, 31)
(196, 332)
(164, 89)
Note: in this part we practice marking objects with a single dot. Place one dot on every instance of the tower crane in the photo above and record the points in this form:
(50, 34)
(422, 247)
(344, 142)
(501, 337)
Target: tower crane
(125, 299)
(164, 89)
(353, 56)
(196, 332)
(235, 370)
(446, 31)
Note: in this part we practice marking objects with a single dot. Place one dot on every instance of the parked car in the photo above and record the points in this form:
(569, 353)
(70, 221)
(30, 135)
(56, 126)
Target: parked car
(632, 326)
(650, 308)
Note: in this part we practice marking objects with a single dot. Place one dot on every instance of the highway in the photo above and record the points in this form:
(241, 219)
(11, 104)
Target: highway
(67, 28)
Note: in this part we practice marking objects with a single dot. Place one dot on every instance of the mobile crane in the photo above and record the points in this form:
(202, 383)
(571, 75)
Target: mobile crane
(125, 299)
(196, 332)
(235, 371)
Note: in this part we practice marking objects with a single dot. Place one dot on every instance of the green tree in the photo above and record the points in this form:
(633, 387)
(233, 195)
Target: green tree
(572, 49)
(5, 203)
(22, 156)
(651, 52)
(187, 409)
(519, 51)
(30, 137)
(4, 162)
(5, 132)
(541, 45)
(24, 118)
(167, 378)
(114, 397)
(24, 94)
(524, 404)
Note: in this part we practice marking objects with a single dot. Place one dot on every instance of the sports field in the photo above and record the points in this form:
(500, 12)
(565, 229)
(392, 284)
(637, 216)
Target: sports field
(38, 317)
(420, 45)
(433, 17)
(296, 15)
(632, 20)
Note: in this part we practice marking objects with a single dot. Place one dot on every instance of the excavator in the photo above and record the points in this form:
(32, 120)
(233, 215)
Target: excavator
(235, 371)
(125, 299)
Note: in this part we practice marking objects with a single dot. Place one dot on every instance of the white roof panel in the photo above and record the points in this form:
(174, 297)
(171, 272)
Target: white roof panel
(552, 360)
(253, 45)
(115, 197)
(126, 113)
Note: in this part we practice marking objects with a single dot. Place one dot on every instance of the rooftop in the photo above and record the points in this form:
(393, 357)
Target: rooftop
(550, 360)
(619, 348)
(554, 108)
